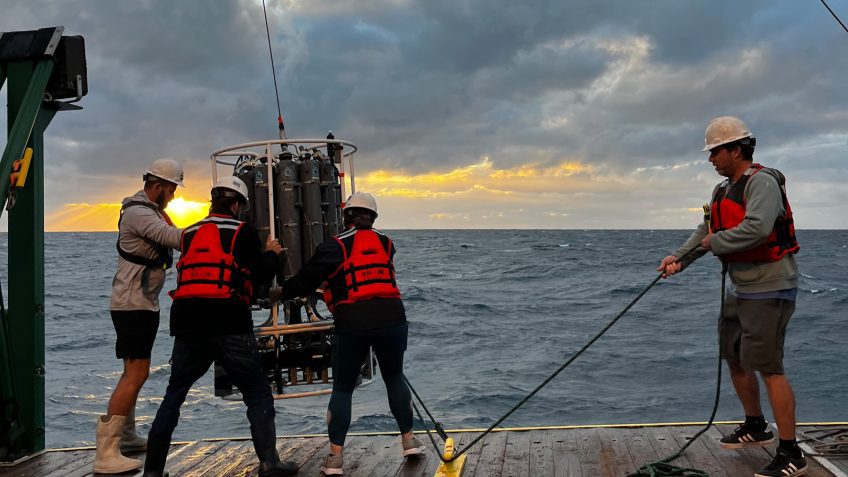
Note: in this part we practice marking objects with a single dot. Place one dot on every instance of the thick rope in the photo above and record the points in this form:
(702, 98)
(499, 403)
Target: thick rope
(827, 442)
(662, 468)
(547, 380)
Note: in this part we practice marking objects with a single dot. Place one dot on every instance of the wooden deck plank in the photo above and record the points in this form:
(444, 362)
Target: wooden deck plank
(733, 463)
(699, 455)
(666, 445)
(491, 451)
(289, 450)
(559, 453)
(357, 451)
(614, 453)
(588, 448)
(516, 454)
(421, 466)
(639, 447)
(238, 458)
(48, 463)
(304, 450)
(541, 453)
(385, 458)
(566, 454)
(192, 456)
(312, 454)
(213, 464)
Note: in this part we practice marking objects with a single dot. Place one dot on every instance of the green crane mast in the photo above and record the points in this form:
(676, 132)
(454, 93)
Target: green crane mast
(38, 67)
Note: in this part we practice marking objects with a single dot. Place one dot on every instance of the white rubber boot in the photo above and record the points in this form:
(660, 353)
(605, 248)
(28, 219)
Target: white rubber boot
(130, 440)
(108, 458)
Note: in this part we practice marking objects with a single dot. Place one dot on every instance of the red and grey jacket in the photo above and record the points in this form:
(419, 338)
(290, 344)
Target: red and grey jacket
(728, 211)
(367, 271)
(207, 267)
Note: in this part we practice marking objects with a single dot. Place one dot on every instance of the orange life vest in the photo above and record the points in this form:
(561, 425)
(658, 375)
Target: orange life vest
(207, 268)
(367, 271)
(728, 211)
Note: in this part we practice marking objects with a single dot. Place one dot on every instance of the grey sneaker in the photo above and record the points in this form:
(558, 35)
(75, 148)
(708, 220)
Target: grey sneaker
(333, 465)
(412, 446)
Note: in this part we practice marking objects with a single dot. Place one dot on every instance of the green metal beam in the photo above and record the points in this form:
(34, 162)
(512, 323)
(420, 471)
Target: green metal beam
(25, 91)
(25, 316)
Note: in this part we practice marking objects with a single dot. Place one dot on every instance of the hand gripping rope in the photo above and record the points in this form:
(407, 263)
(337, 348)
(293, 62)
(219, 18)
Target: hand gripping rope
(452, 459)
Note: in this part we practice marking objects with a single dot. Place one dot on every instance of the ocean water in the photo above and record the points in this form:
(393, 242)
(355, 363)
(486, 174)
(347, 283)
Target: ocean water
(492, 313)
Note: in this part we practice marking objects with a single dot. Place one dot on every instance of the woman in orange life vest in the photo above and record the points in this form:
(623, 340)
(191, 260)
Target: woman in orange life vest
(220, 264)
(362, 294)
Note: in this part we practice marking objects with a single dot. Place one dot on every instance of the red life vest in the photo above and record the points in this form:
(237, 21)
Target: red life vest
(207, 267)
(728, 211)
(367, 271)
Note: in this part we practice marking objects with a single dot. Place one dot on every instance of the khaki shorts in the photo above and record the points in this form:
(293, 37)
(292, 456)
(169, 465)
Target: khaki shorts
(753, 331)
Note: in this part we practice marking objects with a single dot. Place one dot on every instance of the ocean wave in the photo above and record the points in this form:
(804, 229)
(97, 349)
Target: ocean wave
(488, 321)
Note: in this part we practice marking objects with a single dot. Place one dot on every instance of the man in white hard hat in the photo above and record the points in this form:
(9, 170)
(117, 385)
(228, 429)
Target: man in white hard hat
(362, 294)
(751, 230)
(221, 263)
(146, 239)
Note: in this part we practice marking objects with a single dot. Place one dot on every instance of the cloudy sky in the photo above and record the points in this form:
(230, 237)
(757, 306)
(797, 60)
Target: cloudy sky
(467, 113)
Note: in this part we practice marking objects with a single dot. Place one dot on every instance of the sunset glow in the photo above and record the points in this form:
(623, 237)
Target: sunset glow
(481, 177)
(104, 217)
(186, 212)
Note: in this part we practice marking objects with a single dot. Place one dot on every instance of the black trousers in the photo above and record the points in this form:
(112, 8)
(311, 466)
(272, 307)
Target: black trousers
(350, 349)
(191, 359)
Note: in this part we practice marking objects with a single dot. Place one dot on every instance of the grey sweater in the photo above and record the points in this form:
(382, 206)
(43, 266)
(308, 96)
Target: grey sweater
(763, 205)
(136, 287)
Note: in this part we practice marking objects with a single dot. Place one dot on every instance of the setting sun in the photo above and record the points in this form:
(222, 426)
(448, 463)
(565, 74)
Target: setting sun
(186, 212)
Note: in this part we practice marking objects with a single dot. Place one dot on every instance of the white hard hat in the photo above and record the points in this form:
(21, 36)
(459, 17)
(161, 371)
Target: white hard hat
(166, 169)
(362, 200)
(724, 130)
(232, 183)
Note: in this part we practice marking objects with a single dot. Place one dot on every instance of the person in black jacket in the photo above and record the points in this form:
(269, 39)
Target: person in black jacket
(221, 262)
(362, 294)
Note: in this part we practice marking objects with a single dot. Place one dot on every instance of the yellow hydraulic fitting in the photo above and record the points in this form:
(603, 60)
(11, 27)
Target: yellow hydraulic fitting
(20, 168)
(454, 467)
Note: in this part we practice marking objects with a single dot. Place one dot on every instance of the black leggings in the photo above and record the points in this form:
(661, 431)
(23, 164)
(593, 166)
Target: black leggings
(350, 349)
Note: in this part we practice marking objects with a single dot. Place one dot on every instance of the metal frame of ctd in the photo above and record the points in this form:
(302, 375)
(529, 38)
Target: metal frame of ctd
(28, 62)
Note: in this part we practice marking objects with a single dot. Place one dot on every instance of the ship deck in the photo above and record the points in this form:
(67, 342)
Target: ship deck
(553, 451)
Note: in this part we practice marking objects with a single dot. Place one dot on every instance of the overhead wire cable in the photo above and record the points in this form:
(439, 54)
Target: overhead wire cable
(834, 15)
(280, 124)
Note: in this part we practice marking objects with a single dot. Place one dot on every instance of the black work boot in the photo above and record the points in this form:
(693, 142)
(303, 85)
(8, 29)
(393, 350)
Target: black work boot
(157, 453)
(264, 434)
(153, 473)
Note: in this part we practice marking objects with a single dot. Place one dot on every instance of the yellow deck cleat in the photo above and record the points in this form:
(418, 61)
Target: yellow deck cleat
(452, 468)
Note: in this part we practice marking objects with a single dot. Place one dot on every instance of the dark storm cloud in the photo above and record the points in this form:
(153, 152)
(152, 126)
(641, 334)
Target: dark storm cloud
(437, 83)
